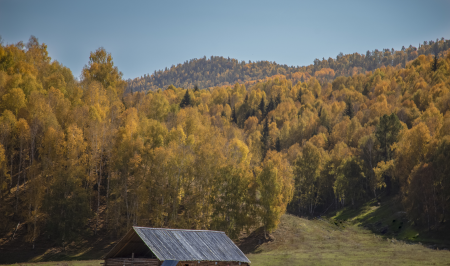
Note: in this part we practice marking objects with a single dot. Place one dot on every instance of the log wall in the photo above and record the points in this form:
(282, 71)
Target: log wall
(210, 263)
(130, 261)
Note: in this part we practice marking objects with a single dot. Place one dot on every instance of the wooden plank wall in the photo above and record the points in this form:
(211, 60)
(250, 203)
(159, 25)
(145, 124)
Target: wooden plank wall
(130, 261)
(210, 263)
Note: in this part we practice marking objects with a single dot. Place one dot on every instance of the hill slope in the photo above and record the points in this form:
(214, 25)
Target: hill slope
(219, 71)
(299, 241)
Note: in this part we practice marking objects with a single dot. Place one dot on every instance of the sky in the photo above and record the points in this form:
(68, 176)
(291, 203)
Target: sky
(144, 36)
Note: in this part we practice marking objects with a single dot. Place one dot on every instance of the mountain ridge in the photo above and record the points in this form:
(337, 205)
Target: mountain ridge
(220, 71)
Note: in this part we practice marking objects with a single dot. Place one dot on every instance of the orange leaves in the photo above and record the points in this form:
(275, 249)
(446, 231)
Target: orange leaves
(14, 100)
(250, 124)
(3, 169)
(297, 76)
(75, 144)
(324, 75)
(432, 118)
(23, 130)
(379, 108)
(382, 88)
(411, 149)
(275, 184)
(130, 122)
(239, 152)
(101, 69)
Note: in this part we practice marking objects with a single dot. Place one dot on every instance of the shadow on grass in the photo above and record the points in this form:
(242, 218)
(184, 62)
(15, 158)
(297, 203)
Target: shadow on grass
(387, 217)
(82, 250)
(250, 243)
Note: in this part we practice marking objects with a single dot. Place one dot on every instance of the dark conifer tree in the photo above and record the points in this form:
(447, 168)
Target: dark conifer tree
(299, 95)
(387, 132)
(233, 116)
(436, 55)
(435, 63)
(270, 106)
(186, 100)
(278, 145)
(366, 89)
(262, 107)
(349, 109)
(265, 138)
(277, 100)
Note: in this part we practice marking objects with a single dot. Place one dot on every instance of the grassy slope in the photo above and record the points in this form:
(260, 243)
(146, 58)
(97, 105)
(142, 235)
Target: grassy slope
(387, 218)
(62, 263)
(300, 241)
(93, 247)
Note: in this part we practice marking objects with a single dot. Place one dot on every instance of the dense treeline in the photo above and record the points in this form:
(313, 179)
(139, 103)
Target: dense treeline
(76, 156)
(220, 71)
(81, 156)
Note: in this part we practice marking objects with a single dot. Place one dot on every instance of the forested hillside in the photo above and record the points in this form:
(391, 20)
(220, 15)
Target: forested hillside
(220, 71)
(81, 156)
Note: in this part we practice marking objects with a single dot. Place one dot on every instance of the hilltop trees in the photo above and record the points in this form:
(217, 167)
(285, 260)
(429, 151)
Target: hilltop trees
(219, 71)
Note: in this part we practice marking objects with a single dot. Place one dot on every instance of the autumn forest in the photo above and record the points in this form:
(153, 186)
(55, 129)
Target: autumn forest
(220, 144)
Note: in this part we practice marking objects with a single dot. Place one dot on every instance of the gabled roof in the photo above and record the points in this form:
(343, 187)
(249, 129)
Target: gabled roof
(181, 245)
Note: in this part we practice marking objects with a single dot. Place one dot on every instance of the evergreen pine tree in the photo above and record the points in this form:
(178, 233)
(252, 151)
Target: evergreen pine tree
(387, 132)
(186, 100)
(262, 107)
(248, 114)
(435, 63)
(233, 116)
(277, 100)
(270, 106)
(299, 95)
(278, 145)
(349, 109)
(265, 138)
(366, 89)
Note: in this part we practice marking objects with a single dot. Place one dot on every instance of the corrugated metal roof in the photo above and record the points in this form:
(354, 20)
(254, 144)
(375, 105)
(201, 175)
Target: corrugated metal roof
(189, 245)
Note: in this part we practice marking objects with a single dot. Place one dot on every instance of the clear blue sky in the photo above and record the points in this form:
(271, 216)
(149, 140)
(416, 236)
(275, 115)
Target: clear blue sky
(144, 36)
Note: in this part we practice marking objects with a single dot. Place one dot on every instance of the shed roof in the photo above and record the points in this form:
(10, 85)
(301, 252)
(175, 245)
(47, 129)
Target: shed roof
(181, 245)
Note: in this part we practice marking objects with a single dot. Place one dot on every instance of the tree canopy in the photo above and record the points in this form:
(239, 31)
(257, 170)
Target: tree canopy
(81, 156)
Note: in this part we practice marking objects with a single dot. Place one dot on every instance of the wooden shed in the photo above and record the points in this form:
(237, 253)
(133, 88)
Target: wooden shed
(175, 247)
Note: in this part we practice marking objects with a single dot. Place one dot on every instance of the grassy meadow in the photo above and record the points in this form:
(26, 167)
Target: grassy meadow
(62, 263)
(300, 241)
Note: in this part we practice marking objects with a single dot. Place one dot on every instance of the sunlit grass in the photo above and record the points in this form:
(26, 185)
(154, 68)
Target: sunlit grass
(316, 242)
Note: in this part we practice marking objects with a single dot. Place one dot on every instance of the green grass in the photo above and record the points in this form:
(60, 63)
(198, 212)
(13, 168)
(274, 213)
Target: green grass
(62, 263)
(300, 241)
(388, 219)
